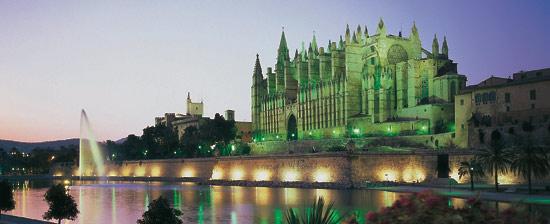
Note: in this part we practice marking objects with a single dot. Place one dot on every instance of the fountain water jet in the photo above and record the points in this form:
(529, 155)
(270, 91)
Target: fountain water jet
(91, 160)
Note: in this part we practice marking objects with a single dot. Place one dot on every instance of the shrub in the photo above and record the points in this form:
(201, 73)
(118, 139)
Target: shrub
(6, 197)
(427, 207)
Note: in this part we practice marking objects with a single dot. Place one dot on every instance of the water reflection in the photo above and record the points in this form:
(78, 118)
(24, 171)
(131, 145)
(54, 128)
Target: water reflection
(124, 202)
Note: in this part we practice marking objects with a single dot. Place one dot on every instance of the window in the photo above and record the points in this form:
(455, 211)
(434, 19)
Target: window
(533, 94)
(532, 106)
(507, 98)
(478, 98)
(462, 102)
(462, 126)
(507, 108)
(492, 97)
(485, 98)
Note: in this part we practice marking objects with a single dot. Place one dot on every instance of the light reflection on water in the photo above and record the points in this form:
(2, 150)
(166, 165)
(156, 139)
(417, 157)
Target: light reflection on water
(124, 202)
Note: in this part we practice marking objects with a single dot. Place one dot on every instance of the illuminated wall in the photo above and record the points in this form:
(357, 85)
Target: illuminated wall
(341, 168)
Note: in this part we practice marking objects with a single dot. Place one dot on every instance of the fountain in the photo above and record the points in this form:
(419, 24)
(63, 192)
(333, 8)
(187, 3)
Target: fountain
(91, 160)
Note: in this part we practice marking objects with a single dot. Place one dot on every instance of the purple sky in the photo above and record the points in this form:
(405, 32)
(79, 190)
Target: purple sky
(126, 62)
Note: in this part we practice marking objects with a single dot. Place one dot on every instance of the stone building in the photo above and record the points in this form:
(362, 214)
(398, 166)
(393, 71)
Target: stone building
(504, 105)
(194, 117)
(180, 122)
(361, 85)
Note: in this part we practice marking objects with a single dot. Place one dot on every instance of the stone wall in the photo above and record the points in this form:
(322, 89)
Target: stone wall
(343, 168)
(362, 144)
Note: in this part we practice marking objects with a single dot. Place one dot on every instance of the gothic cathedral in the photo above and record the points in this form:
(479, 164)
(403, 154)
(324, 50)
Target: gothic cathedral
(363, 85)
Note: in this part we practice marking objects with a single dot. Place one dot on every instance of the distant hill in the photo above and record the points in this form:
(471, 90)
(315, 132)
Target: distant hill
(29, 146)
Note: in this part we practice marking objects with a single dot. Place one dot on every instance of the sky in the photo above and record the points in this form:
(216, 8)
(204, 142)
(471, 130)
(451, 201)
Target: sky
(126, 62)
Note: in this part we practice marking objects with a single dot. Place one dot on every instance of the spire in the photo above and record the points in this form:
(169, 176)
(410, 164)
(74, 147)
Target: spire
(296, 54)
(445, 48)
(414, 30)
(341, 43)
(348, 35)
(283, 48)
(359, 34)
(314, 41)
(354, 38)
(329, 45)
(257, 76)
(435, 47)
(366, 32)
(381, 28)
(303, 52)
(188, 96)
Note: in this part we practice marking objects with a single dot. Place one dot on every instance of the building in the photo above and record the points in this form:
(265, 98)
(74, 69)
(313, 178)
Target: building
(194, 117)
(503, 105)
(361, 85)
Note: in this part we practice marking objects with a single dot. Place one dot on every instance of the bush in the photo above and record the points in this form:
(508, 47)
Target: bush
(337, 148)
(6, 197)
(427, 207)
(159, 211)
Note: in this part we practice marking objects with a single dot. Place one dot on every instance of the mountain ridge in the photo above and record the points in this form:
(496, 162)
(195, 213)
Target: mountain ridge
(29, 146)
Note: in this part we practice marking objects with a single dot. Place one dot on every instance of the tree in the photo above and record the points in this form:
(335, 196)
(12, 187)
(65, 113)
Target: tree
(472, 168)
(529, 160)
(494, 159)
(62, 205)
(7, 203)
(159, 211)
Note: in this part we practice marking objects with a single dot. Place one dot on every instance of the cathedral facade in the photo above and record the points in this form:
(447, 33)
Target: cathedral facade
(362, 85)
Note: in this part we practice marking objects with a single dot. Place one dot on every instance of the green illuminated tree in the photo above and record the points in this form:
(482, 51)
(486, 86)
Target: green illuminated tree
(61, 204)
(472, 169)
(159, 211)
(7, 203)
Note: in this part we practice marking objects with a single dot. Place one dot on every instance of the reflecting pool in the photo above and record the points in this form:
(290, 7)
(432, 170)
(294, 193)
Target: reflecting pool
(124, 202)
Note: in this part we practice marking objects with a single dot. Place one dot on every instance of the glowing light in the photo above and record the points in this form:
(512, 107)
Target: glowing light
(53, 157)
(356, 131)
(424, 128)
(508, 178)
(156, 171)
(322, 175)
(217, 174)
(262, 175)
(387, 175)
(310, 133)
(277, 137)
(58, 174)
(237, 174)
(233, 147)
(66, 182)
(212, 147)
(290, 175)
(140, 171)
(263, 139)
(112, 173)
(188, 172)
(413, 174)
(292, 134)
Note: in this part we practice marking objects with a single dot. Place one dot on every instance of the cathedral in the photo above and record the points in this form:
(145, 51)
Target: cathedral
(362, 85)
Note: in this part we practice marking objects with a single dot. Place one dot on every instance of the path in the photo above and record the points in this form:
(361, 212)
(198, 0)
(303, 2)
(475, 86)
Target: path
(459, 193)
(10, 219)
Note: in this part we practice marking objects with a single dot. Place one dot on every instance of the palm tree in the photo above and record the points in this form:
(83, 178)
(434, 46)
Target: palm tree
(495, 160)
(318, 213)
(529, 160)
(472, 168)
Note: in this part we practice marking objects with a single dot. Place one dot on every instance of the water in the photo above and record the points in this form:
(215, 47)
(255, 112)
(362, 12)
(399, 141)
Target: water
(124, 202)
(91, 160)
